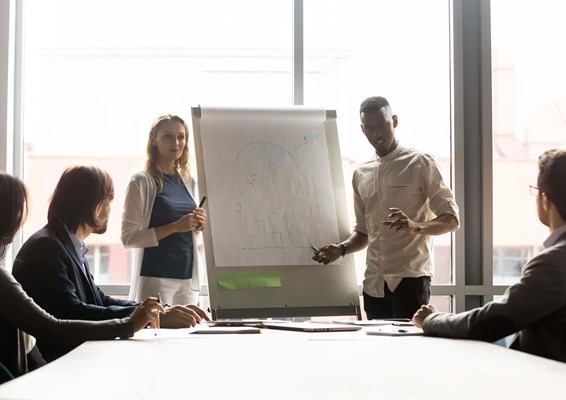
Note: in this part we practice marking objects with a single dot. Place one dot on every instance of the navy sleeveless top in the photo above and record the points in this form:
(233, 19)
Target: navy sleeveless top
(173, 257)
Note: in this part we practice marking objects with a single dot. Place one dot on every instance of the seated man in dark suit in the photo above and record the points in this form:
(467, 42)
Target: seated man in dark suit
(51, 265)
(535, 307)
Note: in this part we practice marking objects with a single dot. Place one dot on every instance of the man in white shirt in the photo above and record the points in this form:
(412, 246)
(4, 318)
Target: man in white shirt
(400, 201)
(535, 307)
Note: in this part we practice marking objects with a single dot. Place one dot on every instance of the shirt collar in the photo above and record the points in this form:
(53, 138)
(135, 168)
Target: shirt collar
(554, 236)
(391, 155)
(80, 246)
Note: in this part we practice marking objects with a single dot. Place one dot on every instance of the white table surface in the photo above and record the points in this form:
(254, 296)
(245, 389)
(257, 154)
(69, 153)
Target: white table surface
(291, 365)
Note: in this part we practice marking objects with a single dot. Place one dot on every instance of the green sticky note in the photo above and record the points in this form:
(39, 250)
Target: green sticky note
(249, 281)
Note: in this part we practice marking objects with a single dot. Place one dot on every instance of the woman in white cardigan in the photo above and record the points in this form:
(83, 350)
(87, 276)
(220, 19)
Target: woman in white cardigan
(161, 220)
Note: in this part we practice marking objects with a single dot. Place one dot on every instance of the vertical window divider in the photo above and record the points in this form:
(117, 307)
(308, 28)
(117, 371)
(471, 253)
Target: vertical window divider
(298, 53)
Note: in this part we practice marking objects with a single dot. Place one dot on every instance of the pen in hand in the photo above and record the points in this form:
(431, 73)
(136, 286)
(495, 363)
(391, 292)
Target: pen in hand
(157, 324)
(201, 227)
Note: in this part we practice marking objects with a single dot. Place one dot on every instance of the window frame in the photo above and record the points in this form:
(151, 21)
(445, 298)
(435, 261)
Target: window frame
(472, 244)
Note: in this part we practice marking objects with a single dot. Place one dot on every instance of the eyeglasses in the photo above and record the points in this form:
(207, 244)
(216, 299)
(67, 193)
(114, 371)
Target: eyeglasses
(534, 190)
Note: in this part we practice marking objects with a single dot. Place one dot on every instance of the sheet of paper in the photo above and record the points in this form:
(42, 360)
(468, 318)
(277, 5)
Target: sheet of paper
(395, 331)
(212, 330)
(372, 322)
(269, 188)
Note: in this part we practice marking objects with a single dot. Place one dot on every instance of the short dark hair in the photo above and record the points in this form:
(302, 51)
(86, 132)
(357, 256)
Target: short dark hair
(373, 103)
(552, 178)
(77, 194)
(14, 209)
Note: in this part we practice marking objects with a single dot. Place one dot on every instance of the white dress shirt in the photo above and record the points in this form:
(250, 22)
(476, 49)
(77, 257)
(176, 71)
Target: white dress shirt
(408, 180)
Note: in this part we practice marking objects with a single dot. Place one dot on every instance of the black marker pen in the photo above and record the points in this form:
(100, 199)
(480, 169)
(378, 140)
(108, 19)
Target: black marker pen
(158, 323)
(202, 201)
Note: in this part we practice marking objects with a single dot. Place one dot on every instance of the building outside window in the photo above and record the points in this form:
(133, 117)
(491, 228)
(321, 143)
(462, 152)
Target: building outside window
(529, 117)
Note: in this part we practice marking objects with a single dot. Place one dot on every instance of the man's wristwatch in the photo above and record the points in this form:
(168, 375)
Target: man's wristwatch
(343, 247)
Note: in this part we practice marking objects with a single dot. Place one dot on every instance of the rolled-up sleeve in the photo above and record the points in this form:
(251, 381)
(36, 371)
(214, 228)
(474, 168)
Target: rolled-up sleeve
(441, 197)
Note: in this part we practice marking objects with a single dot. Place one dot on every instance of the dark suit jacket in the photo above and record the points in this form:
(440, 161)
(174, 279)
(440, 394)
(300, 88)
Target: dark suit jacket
(534, 308)
(49, 270)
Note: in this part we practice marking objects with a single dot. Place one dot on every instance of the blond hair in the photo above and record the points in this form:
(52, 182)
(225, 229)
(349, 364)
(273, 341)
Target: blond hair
(181, 165)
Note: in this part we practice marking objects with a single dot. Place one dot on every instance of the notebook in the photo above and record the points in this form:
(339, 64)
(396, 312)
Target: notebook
(311, 326)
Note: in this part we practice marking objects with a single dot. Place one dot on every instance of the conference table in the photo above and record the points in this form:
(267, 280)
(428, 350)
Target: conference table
(178, 364)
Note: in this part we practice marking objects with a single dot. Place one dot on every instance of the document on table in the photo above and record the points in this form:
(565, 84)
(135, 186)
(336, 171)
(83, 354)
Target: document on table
(206, 329)
(395, 331)
(375, 322)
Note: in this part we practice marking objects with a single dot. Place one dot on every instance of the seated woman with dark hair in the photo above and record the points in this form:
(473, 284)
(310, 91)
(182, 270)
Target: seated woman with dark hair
(20, 316)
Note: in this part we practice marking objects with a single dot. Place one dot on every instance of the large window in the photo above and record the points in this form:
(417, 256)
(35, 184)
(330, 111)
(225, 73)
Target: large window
(529, 116)
(364, 48)
(96, 73)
